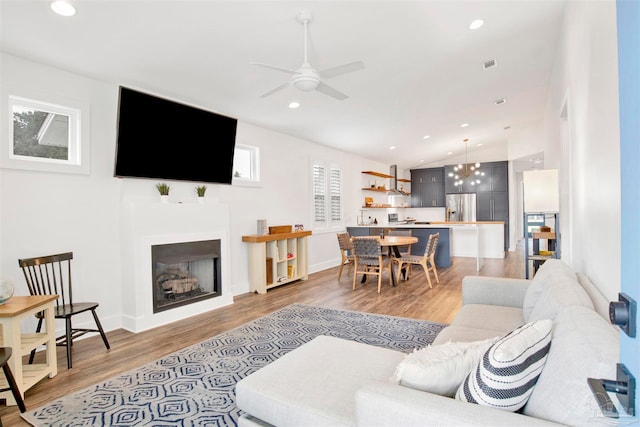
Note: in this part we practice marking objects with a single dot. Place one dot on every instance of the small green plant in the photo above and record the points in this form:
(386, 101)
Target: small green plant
(163, 189)
(200, 190)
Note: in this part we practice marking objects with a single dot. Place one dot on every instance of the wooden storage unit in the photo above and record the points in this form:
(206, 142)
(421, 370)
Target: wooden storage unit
(12, 313)
(538, 257)
(285, 252)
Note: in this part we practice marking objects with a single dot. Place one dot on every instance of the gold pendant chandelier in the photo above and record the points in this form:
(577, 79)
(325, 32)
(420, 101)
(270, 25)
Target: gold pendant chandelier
(467, 171)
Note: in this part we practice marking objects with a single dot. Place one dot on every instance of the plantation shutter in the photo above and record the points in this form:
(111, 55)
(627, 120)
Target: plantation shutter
(319, 195)
(327, 196)
(335, 191)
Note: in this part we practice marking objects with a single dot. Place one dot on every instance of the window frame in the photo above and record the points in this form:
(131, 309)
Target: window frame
(79, 134)
(254, 153)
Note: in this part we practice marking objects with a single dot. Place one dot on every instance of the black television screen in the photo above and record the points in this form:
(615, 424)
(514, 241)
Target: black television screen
(158, 138)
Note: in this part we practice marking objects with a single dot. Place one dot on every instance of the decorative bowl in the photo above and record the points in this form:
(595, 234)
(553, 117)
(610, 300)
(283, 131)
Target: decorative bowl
(6, 291)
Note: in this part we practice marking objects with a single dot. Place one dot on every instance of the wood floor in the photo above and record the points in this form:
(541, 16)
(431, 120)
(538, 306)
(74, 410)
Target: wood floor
(92, 363)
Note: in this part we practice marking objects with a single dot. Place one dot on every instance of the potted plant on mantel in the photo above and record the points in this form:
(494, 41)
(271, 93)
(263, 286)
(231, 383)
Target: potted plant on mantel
(200, 191)
(163, 189)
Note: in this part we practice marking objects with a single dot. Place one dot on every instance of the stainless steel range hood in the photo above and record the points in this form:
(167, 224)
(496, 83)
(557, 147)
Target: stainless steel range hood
(393, 171)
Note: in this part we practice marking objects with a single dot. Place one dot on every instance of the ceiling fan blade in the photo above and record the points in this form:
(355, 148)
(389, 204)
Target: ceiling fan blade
(274, 67)
(328, 90)
(341, 69)
(277, 89)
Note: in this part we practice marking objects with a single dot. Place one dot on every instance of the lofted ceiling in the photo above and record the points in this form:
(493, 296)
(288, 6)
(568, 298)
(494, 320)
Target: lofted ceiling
(423, 70)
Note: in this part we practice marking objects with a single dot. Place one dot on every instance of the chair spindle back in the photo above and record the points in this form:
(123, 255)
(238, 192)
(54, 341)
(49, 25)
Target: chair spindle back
(49, 275)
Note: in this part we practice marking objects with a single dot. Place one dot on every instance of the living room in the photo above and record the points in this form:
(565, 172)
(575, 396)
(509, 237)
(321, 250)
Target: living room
(43, 212)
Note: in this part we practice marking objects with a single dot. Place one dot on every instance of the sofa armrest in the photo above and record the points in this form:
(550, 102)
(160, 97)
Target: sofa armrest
(494, 291)
(386, 404)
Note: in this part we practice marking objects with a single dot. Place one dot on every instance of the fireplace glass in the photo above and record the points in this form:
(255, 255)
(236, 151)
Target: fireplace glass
(184, 273)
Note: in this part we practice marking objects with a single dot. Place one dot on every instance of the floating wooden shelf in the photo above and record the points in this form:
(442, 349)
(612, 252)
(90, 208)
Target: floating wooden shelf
(378, 174)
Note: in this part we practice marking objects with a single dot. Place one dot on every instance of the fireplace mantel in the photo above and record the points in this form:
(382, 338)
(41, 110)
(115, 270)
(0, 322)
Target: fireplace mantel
(147, 223)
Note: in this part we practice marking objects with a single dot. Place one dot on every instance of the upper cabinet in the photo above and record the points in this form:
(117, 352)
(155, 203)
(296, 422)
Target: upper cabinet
(496, 177)
(427, 188)
(451, 188)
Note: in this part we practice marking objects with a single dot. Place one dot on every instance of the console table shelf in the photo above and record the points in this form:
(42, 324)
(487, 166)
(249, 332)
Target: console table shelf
(277, 259)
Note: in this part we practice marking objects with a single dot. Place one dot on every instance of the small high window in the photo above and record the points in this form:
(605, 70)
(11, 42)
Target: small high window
(46, 136)
(246, 164)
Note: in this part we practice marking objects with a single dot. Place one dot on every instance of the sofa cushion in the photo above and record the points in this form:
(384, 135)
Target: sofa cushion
(584, 345)
(505, 376)
(562, 292)
(548, 273)
(464, 334)
(497, 318)
(299, 387)
(440, 369)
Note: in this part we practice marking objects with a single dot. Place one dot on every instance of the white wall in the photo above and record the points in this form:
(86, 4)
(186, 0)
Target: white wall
(585, 147)
(44, 213)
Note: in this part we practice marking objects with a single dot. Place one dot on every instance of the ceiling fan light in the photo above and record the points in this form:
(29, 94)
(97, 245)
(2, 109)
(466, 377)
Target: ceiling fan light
(63, 8)
(306, 83)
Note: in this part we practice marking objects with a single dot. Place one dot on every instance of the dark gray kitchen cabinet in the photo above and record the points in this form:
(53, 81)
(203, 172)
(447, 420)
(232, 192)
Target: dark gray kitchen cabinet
(450, 188)
(427, 188)
(495, 178)
(494, 206)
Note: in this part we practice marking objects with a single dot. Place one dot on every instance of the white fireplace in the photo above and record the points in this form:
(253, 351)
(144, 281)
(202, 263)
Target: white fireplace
(149, 225)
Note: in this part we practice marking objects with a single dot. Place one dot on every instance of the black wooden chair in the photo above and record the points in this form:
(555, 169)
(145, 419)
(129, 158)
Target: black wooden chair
(49, 275)
(5, 354)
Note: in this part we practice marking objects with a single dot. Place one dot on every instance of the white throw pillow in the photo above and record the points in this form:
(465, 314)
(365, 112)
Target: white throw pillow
(506, 374)
(440, 368)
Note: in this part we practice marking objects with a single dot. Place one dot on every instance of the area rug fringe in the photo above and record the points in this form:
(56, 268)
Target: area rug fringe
(195, 386)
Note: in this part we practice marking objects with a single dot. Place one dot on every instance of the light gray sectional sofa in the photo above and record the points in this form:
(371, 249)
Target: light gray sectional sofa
(335, 382)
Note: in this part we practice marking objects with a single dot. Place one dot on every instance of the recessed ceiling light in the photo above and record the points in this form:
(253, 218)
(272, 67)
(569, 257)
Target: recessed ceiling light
(63, 7)
(393, 147)
(450, 153)
(476, 24)
(294, 104)
(479, 145)
(507, 127)
(500, 101)
(464, 125)
(421, 160)
(426, 137)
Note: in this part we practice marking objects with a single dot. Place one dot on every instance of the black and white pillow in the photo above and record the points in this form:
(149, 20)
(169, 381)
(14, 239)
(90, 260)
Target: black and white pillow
(505, 376)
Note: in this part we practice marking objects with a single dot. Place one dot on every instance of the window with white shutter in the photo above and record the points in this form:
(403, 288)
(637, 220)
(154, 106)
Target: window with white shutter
(327, 196)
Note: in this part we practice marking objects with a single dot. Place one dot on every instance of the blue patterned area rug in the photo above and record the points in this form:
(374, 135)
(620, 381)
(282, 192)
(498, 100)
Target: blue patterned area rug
(195, 386)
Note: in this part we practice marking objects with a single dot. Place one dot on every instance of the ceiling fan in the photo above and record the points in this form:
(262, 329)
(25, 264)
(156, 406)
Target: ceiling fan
(306, 78)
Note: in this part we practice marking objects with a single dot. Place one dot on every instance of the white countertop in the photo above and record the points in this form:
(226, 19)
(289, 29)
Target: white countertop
(433, 224)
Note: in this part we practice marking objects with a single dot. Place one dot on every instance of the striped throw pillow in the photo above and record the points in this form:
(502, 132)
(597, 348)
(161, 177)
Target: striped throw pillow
(505, 376)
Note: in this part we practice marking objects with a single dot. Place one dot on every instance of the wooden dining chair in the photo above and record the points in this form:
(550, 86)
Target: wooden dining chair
(49, 275)
(426, 260)
(5, 355)
(368, 259)
(346, 250)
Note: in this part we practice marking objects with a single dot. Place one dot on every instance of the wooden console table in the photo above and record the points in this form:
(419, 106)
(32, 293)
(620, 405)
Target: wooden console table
(11, 313)
(277, 259)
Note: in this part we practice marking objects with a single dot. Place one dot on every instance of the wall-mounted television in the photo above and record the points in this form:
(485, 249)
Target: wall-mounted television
(159, 138)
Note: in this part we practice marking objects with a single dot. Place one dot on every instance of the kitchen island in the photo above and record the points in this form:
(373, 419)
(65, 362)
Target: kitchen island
(478, 239)
(421, 231)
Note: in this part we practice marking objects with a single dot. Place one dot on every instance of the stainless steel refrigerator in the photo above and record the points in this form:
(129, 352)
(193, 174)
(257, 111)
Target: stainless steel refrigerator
(461, 207)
